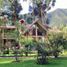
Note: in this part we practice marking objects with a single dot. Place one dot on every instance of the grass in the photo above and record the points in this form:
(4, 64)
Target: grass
(31, 62)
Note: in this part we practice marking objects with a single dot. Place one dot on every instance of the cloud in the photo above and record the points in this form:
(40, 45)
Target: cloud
(61, 4)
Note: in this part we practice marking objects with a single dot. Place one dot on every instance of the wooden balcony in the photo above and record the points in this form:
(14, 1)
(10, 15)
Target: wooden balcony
(9, 36)
(7, 27)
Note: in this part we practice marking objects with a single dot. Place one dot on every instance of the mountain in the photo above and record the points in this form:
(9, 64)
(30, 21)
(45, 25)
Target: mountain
(58, 17)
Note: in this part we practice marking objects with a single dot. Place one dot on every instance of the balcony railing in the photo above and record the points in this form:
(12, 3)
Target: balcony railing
(9, 36)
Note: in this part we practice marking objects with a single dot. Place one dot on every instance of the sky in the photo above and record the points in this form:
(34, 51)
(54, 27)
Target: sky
(59, 4)
(25, 6)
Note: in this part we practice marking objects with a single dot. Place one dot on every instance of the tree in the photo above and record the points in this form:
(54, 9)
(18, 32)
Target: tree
(15, 8)
(64, 31)
(56, 42)
(11, 8)
(27, 42)
(40, 11)
(42, 6)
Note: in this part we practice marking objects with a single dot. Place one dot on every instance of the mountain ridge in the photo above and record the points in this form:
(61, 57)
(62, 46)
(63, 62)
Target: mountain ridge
(58, 17)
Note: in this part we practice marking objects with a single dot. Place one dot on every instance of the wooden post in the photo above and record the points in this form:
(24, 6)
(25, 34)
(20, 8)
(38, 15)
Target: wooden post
(36, 34)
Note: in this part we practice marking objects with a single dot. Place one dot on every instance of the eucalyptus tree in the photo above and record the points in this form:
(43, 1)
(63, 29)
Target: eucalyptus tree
(41, 7)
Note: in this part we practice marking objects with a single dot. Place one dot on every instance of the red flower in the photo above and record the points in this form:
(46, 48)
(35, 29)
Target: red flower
(22, 21)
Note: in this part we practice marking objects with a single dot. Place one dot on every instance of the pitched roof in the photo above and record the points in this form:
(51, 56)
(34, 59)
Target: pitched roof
(38, 23)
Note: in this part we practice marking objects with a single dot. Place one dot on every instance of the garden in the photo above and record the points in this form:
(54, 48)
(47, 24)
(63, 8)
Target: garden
(28, 40)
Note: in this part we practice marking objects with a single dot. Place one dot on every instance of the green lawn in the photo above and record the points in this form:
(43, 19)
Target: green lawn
(30, 62)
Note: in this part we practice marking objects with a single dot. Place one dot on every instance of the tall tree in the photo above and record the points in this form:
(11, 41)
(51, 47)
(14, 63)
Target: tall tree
(11, 8)
(42, 6)
(40, 10)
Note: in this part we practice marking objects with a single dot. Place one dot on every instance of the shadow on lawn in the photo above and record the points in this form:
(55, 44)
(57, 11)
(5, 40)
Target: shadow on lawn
(32, 63)
(62, 58)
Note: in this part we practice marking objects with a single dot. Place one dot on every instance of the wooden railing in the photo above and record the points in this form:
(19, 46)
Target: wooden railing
(9, 36)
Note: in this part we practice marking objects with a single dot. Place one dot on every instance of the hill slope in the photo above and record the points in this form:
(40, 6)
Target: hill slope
(58, 17)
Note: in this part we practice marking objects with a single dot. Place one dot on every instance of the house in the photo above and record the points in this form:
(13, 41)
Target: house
(36, 30)
(7, 34)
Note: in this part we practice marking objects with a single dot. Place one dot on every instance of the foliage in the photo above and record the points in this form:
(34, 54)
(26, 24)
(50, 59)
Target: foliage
(64, 30)
(58, 40)
(1, 3)
(11, 8)
(55, 41)
(1, 22)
